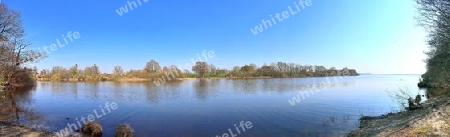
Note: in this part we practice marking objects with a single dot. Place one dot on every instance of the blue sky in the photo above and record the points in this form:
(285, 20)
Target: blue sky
(376, 36)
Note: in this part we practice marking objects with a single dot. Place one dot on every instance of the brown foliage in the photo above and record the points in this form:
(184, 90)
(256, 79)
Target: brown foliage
(14, 49)
(124, 130)
(92, 128)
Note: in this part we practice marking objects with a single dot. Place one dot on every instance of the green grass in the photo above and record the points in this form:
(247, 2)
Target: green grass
(190, 75)
(221, 76)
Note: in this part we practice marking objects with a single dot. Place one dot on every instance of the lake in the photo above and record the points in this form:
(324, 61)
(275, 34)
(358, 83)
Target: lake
(330, 106)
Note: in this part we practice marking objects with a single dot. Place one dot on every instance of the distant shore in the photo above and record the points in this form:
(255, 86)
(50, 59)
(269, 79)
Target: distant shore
(151, 80)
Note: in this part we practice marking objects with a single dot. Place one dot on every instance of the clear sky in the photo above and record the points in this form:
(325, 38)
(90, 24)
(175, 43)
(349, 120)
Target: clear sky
(375, 36)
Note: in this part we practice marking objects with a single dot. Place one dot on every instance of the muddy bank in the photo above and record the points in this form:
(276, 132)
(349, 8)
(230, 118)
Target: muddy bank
(8, 129)
(432, 120)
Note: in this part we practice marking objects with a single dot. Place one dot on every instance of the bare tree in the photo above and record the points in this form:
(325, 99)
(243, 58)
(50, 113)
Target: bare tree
(152, 66)
(118, 71)
(201, 68)
(73, 71)
(14, 49)
(213, 70)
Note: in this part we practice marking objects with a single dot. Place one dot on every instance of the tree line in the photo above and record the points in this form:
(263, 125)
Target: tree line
(434, 16)
(288, 70)
(152, 70)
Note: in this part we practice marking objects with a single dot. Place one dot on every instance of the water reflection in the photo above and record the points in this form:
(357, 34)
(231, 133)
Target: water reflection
(208, 107)
(17, 107)
(94, 89)
(118, 89)
(249, 86)
(280, 86)
(201, 89)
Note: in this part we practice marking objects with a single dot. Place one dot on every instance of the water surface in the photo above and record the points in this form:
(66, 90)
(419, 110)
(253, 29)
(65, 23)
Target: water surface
(210, 107)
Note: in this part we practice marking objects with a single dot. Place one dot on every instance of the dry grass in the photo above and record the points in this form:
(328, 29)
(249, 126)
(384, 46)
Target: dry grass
(425, 130)
(124, 130)
(133, 80)
(92, 128)
(446, 125)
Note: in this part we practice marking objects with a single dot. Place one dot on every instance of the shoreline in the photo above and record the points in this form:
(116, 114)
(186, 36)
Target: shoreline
(432, 120)
(176, 79)
(14, 129)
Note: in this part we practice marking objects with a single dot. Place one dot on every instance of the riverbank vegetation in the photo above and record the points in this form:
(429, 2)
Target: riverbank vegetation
(14, 51)
(435, 18)
(152, 70)
(432, 120)
(15, 78)
(433, 116)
